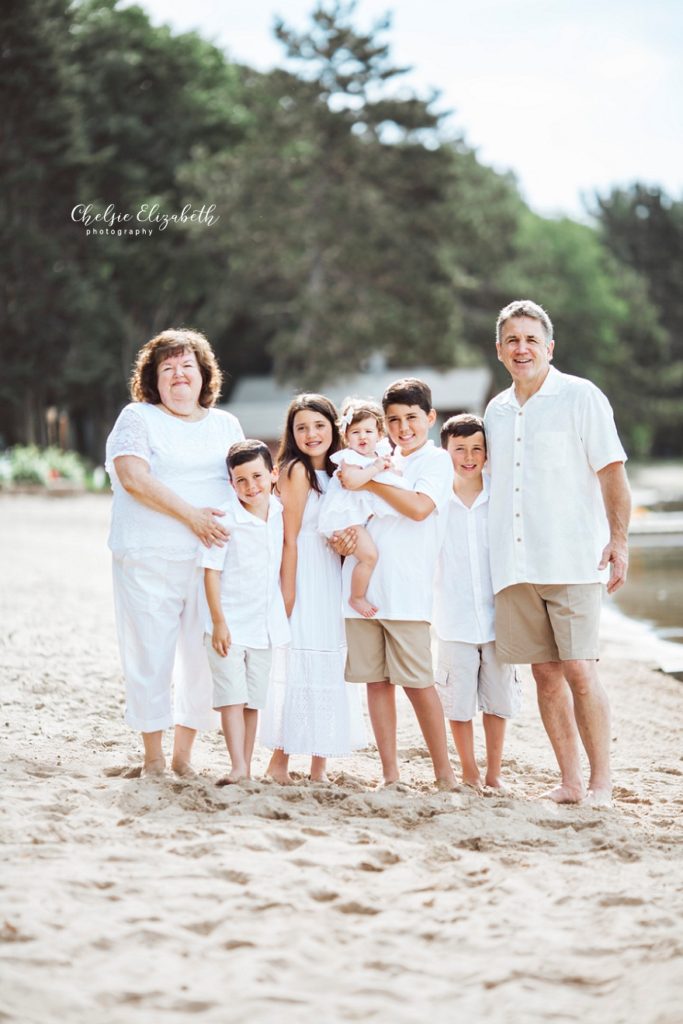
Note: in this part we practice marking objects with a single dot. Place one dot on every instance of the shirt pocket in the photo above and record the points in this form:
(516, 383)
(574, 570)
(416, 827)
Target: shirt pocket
(550, 450)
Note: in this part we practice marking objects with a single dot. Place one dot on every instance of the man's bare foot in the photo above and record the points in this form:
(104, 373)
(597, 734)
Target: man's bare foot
(363, 607)
(235, 776)
(155, 766)
(182, 768)
(565, 794)
(599, 797)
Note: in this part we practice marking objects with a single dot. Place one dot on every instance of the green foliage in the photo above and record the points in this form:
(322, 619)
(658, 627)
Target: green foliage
(29, 464)
(350, 223)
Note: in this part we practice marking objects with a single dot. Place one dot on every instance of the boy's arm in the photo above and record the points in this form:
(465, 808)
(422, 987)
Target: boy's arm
(294, 488)
(409, 503)
(220, 639)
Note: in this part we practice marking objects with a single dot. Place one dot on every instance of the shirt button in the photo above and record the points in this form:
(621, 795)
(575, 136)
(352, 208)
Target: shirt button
(516, 490)
(517, 463)
(519, 439)
(517, 515)
(519, 540)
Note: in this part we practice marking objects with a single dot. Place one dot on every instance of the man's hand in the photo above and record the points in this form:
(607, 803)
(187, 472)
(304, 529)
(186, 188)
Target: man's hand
(344, 542)
(615, 555)
(221, 639)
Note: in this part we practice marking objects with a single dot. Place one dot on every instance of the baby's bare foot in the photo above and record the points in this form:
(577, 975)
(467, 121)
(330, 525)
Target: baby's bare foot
(363, 607)
(155, 766)
(565, 794)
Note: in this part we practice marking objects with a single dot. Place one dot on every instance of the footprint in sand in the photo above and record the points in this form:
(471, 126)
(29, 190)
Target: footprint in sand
(357, 908)
(238, 877)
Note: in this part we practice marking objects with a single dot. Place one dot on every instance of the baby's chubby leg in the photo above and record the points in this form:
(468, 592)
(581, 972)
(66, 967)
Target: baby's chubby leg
(366, 559)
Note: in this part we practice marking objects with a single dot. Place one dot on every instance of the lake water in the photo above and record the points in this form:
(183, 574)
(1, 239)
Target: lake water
(654, 590)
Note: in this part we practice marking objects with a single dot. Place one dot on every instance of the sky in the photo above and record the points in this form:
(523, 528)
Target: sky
(572, 96)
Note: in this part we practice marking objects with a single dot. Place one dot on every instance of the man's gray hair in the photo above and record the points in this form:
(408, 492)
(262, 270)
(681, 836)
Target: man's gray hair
(525, 307)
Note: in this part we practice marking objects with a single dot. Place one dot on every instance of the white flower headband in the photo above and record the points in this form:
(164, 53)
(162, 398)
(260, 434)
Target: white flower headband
(345, 421)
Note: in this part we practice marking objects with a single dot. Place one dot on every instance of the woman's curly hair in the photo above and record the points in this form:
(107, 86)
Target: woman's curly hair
(143, 382)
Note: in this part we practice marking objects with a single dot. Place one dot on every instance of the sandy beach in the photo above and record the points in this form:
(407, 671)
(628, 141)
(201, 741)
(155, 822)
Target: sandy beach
(127, 900)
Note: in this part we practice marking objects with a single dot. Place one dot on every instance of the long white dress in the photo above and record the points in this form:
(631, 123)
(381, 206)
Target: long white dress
(310, 708)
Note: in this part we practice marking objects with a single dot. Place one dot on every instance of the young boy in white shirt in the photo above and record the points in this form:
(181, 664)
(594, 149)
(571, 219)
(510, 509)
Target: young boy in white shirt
(393, 649)
(248, 618)
(469, 675)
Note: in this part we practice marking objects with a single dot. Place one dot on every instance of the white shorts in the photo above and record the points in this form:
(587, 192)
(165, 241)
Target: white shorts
(470, 677)
(160, 627)
(241, 677)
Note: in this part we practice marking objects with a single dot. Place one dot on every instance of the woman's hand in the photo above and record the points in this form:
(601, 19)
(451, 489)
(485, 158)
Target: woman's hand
(204, 524)
(344, 542)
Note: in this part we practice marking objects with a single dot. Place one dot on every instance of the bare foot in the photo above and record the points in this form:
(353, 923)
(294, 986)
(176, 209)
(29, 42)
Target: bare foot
(447, 784)
(363, 607)
(599, 797)
(320, 777)
(495, 782)
(473, 782)
(156, 766)
(564, 795)
(183, 768)
(234, 777)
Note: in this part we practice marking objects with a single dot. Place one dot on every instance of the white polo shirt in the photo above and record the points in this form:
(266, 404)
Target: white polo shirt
(402, 584)
(547, 521)
(463, 592)
(251, 598)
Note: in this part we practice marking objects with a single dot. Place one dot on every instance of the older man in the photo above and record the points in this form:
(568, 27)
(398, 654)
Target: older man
(558, 518)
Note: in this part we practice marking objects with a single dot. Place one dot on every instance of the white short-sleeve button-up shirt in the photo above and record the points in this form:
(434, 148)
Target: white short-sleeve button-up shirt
(463, 594)
(547, 522)
(249, 563)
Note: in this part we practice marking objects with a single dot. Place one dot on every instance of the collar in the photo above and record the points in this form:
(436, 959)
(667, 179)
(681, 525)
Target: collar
(241, 515)
(408, 458)
(550, 386)
(481, 498)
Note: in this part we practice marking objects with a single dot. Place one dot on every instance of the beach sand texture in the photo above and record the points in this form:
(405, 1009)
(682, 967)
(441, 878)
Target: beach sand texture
(129, 900)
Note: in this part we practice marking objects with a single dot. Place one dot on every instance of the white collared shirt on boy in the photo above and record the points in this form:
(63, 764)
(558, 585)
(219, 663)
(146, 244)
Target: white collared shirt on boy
(249, 563)
(402, 583)
(463, 592)
(547, 521)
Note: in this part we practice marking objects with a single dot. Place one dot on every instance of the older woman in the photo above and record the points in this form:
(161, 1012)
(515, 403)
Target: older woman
(166, 459)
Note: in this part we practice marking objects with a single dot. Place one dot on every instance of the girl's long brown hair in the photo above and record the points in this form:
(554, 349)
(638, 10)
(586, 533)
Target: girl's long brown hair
(289, 452)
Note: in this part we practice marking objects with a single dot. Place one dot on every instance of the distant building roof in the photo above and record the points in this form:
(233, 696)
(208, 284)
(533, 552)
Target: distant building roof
(260, 403)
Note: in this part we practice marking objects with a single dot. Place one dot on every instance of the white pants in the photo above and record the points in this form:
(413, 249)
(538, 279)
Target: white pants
(160, 629)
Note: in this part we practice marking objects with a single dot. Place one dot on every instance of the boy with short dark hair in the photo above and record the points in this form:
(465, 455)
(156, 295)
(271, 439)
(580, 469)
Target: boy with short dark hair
(248, 618)
(393, 649)
(469, 675)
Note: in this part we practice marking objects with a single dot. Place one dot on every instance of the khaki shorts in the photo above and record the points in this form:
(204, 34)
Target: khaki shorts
(241, 677)
(396, 650)
(537, 622)
(471, 677)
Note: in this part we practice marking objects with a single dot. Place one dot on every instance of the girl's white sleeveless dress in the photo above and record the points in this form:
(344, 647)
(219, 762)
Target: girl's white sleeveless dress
(310, 708)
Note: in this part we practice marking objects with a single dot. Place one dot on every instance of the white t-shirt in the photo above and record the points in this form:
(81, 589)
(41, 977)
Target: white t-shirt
(463, 592)
(249, 564)
(547, 521)
(402, 582)
(189, 457)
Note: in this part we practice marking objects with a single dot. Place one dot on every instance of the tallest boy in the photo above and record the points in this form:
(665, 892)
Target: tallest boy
(559, 509)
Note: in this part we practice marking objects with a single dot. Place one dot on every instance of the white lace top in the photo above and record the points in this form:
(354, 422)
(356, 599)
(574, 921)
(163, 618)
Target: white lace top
(188, 457)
